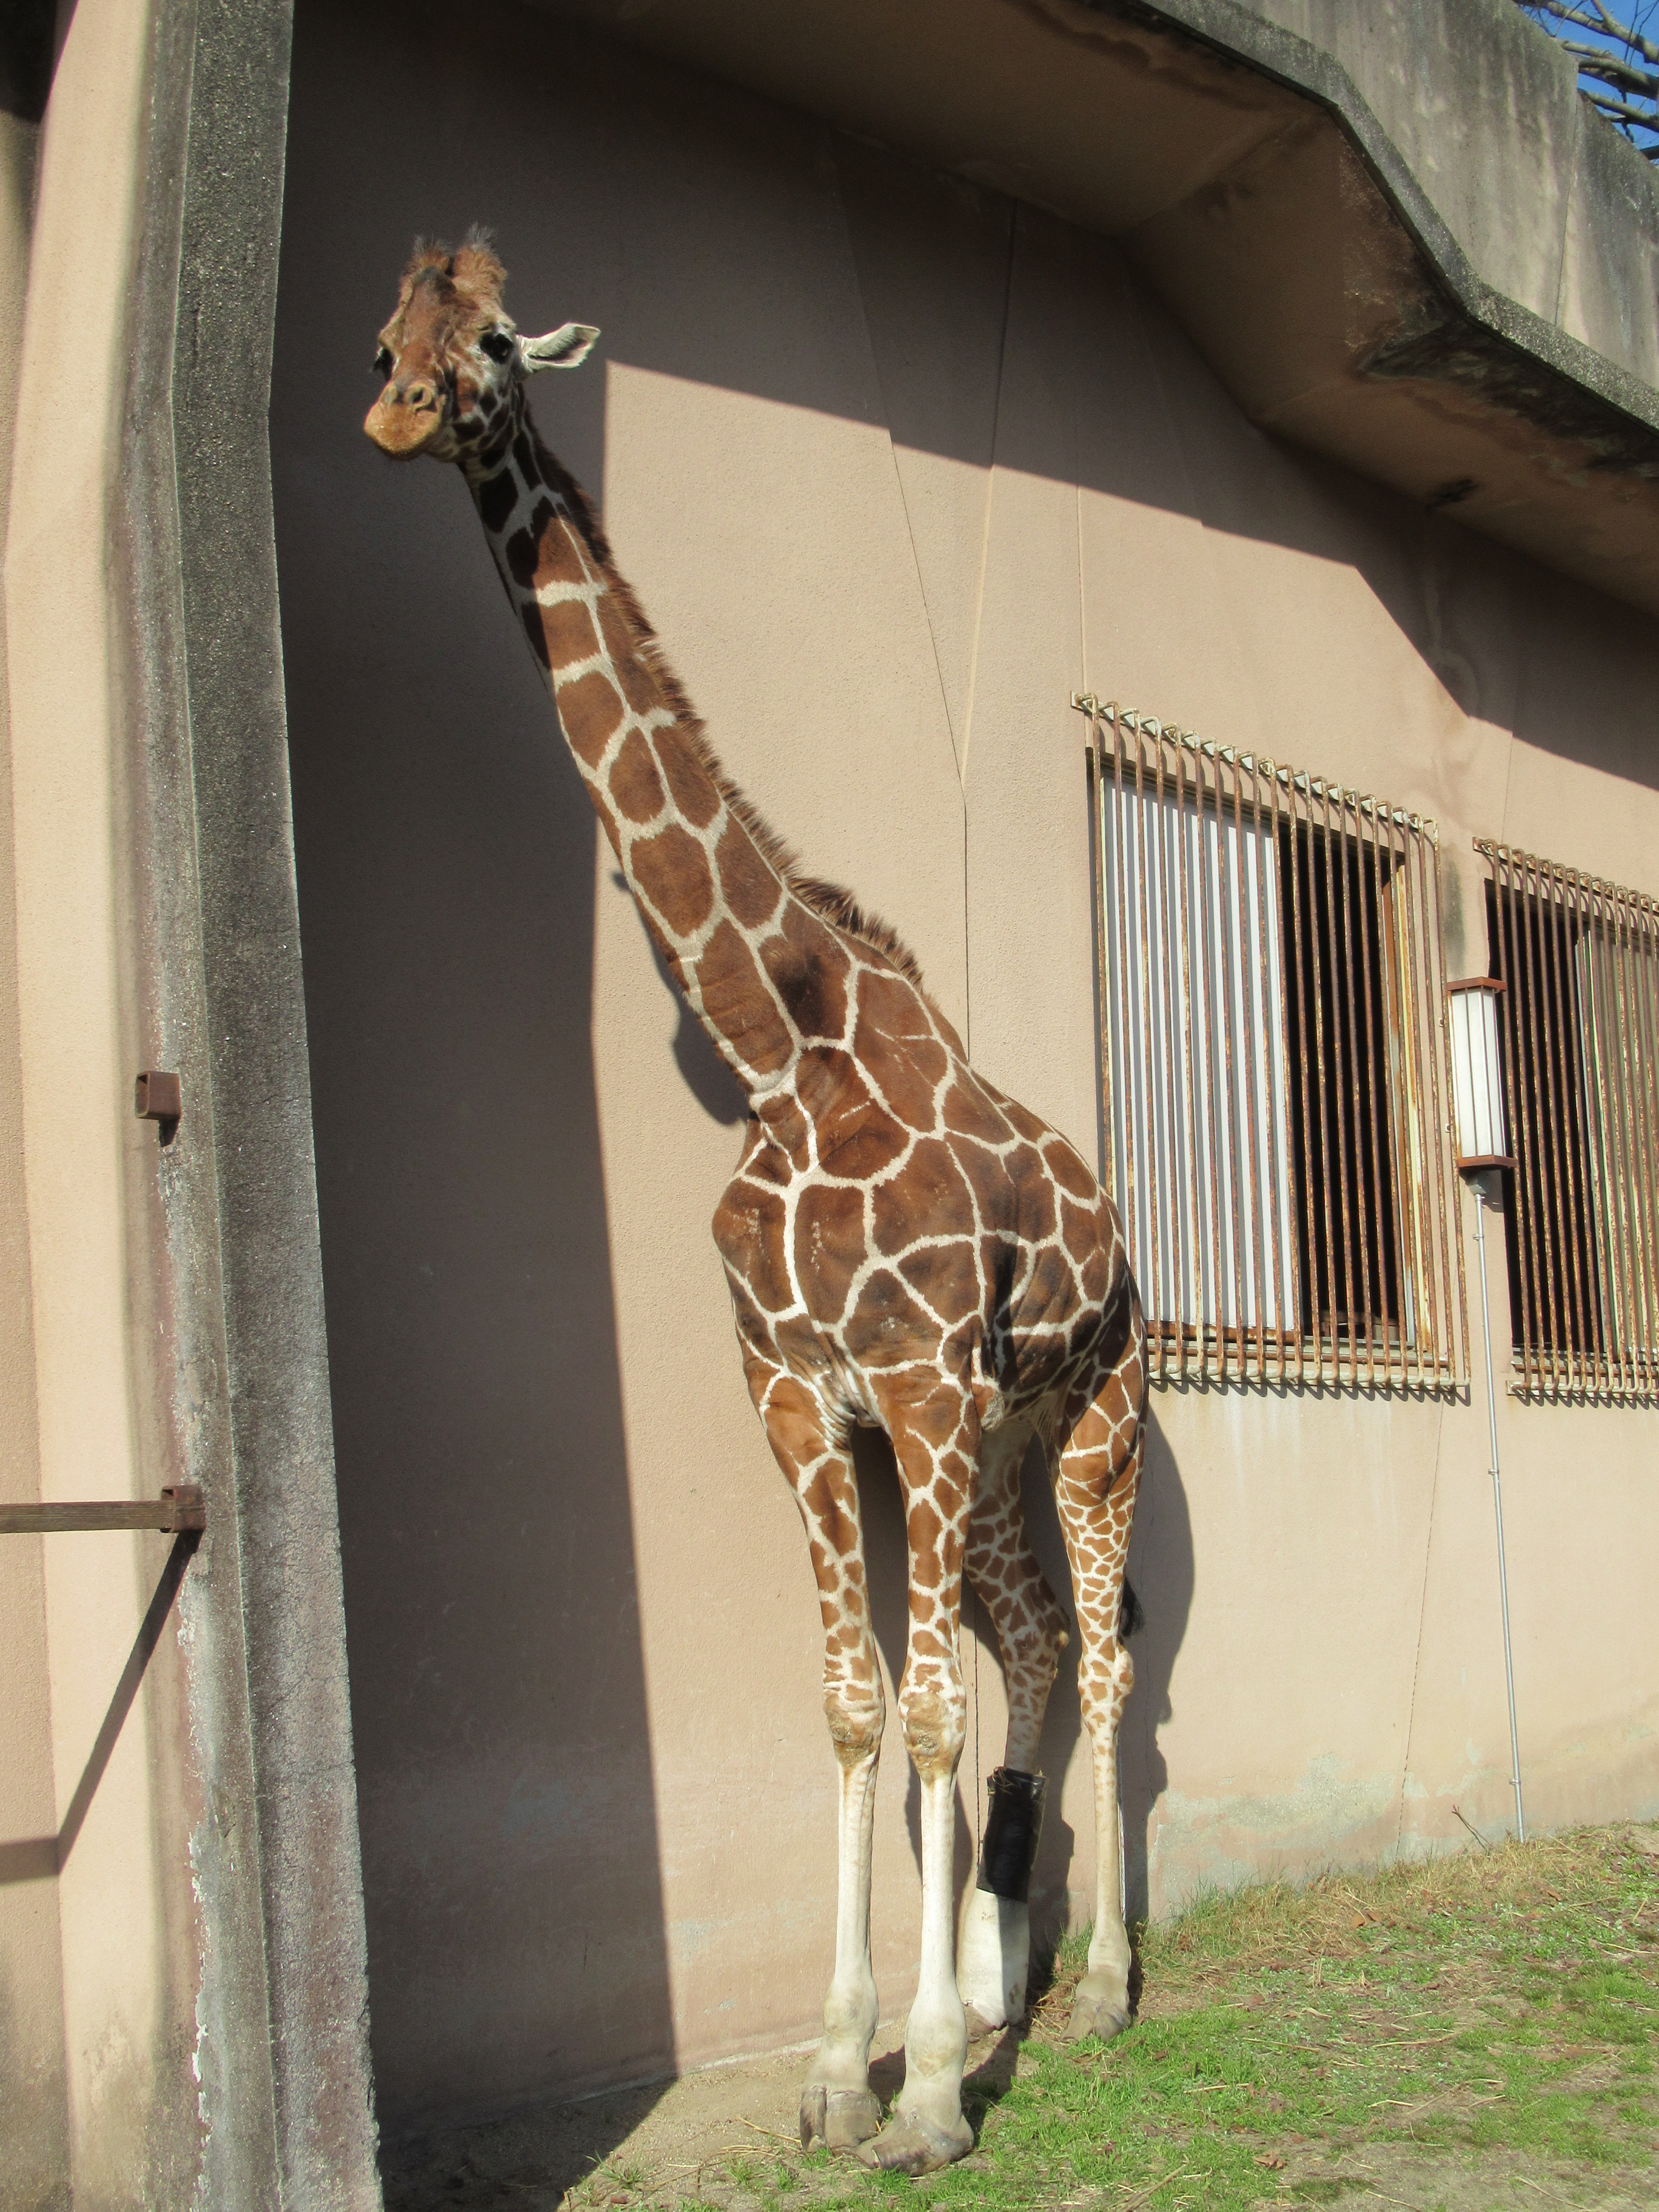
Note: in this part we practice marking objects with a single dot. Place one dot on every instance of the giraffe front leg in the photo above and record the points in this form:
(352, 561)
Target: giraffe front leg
(1095, 1488)
(995, 1955)
(936, 1445)
(837, 2105)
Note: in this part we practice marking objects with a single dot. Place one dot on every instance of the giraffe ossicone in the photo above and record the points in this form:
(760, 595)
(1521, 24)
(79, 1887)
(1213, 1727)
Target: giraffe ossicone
(905, 1247)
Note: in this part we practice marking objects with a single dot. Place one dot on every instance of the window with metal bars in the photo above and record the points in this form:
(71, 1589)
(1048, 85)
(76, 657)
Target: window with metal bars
(1275, 1104)
(1578, 1041)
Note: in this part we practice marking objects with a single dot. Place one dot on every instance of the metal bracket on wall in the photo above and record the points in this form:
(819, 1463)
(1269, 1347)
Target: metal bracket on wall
(178, 1511)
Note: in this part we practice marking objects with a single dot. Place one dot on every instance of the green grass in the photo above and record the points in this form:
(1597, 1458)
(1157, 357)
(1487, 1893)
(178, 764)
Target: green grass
(1296, 2045)
(1450, 2035)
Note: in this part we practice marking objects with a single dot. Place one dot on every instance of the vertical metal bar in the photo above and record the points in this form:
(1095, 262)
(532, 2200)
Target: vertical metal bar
(1344, 800)
(1560, 1312)
(1445, 1047)
(1521, 1118)
(1152, 1145)
(1381, 826)
(1440, 1129)
(1629, 1134)
(1623, 1163)
(1401, 1104)
(1565, 1001)
(1642, 1193)
(1534, 1109)
(1188, 1052)
(1131, 1194)
(1229, 878)
(1247, 980)
(1204, 871)
(1172, 1044)
(1102, 957)
(1647, 1024)
(1361, 842)
(1304, 1212)
(1275, 1164)
(1595, 1115)
(1410, 836)
(1341, 1136)
(1535, 923)
(1313, 1191)
(1508, 1023)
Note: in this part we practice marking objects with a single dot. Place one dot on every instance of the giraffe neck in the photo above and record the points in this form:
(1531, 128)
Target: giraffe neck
(742, 946)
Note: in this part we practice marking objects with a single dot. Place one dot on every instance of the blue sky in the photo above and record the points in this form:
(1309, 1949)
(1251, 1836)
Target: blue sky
(1640, 16)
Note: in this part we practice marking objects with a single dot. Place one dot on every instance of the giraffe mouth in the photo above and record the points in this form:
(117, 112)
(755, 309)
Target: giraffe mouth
(404, 425)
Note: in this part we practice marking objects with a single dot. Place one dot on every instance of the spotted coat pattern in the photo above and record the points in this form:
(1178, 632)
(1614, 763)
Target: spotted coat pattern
(905, 1246)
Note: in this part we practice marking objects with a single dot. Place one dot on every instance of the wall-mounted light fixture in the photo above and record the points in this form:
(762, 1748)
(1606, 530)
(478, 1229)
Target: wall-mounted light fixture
(1482, 1158)
(1477, 1073)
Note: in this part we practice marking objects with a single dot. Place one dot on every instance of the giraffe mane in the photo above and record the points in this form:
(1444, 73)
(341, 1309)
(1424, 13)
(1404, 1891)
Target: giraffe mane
(832, 903)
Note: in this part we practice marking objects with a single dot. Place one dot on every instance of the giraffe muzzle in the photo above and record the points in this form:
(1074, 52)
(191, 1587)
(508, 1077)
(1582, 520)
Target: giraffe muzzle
(404, 422)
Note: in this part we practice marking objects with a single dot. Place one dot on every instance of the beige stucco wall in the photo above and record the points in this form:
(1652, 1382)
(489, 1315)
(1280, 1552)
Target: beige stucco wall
(33, 2113)
(894, 467)
(96, 1938)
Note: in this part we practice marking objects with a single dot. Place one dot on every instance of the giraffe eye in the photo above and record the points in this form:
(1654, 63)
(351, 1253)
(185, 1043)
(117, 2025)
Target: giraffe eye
(383, 362)
(497, 344)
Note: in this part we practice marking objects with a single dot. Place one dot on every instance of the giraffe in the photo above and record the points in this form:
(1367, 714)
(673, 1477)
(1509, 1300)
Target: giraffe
(905, 1248)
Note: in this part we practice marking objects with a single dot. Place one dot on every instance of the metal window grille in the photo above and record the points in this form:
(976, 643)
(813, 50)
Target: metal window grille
(1273, 1042)
(1579, 1043)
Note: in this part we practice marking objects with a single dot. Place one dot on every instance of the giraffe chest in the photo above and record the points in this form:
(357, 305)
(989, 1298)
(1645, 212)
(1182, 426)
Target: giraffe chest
(898, 1256)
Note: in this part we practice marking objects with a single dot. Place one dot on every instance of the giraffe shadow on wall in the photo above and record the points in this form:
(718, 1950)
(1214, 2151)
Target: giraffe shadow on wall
(706, 1075)
(1162, 1570)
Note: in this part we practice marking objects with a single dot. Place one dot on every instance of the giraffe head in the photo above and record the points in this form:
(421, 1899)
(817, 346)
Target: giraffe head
(453, 360)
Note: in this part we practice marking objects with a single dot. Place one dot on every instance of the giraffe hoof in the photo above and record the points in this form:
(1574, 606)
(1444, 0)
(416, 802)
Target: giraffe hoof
(911, 2145)
(841, 2120)
(1099, 2010)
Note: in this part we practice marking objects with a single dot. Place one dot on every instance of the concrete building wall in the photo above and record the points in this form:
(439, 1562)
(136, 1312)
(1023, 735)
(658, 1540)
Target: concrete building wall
(1493, 124)
(98, 1854)
(33, 2113)
(895, 466)
(176, 1813)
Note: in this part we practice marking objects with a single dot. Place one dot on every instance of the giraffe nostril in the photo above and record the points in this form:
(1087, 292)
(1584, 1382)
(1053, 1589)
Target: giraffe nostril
(417, 395)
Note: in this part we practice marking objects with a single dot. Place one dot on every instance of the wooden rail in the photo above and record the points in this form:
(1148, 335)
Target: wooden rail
(176, 1512)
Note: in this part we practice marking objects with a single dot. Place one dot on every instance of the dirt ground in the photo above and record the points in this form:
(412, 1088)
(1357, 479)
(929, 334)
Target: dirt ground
(677, 2136)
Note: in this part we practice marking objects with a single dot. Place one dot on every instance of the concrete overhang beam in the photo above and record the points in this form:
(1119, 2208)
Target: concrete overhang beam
(1392, 226)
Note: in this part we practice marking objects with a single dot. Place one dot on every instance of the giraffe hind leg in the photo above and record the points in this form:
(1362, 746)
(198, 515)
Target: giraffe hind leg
(994, 1955)
(1096, 1478)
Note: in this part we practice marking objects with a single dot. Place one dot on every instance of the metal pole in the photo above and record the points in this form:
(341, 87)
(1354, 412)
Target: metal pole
(1498, 1504)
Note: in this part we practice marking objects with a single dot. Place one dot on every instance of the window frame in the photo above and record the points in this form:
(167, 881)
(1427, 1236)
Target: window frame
(1580, 1208)
(1380, 1105)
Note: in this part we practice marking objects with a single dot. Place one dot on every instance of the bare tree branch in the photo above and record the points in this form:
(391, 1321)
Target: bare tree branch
(1620, 111)
(1594, 61)
(1610, 74)
(1629, 34)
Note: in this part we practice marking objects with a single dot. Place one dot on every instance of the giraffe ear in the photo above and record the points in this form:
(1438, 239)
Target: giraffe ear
(566, 348)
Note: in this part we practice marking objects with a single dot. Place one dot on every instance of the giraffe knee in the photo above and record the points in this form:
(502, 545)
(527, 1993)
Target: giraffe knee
(935, 1728)
(1107, 1679)
(856, 1720)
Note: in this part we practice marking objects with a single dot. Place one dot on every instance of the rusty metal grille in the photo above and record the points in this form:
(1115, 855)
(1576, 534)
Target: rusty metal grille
(1276, 1108)
(1578, 1037)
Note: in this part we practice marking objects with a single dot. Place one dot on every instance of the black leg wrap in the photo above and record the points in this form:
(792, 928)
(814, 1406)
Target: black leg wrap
(1012, 1825)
